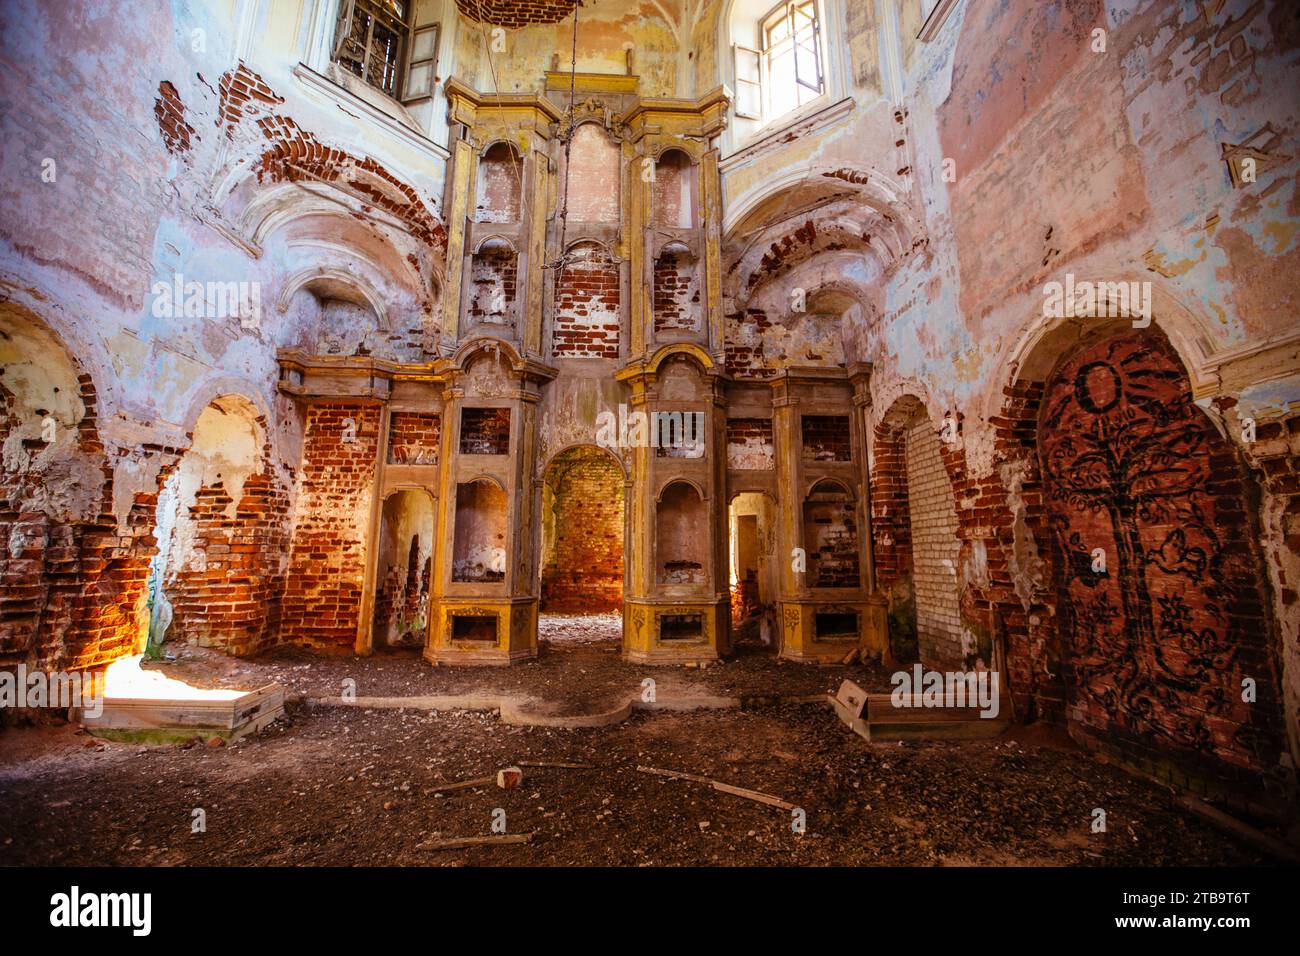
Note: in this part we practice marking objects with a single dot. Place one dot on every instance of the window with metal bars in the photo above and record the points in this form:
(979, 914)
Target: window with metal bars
(372, 41)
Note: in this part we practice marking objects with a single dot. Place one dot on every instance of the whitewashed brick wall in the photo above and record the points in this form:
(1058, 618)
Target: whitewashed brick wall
(934, 546)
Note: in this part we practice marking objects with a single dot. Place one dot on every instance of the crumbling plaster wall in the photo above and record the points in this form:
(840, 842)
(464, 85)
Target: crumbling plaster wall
(1116, 158)
(140, 152)
(1062, 159)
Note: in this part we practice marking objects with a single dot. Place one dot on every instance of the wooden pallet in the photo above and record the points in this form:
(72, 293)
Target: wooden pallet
(875, 718)
(231, 719)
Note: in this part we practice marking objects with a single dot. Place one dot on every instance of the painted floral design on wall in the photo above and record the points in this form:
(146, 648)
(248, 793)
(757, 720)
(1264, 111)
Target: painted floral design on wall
(1160, 611)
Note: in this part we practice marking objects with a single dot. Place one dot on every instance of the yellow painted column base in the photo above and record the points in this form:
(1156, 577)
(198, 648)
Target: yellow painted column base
(823, 632)
(482, 632)
(674, 633)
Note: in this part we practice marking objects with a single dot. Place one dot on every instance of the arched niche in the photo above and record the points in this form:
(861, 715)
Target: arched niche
(591, 183)
(221, 532)
(583, 519)
(403, 570)
(499, 189)
(681, 544)
(673, 196)
(753, 579)
(676, 294)
(493, 284)
(482, 532)
(1155, 564)
(914, 522)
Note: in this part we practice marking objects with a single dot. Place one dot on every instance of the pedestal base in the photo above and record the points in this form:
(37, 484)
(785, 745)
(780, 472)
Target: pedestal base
(672, 632)
(823, 632)
(490, 632)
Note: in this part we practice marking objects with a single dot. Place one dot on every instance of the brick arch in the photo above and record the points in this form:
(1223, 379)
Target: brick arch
(71, 575)
(222, 527)
(915, 531)
(584, 519)
(1156, 639)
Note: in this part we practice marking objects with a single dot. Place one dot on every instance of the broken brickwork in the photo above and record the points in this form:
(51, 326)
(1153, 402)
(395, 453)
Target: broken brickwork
(494, 275)
(73, 583)
(588, 304)
(826, 438)
(831, 538)
(230, 598)
(323, 587)
(414, 438)
(170, 113)
(676, 292)
(485, 431)
(750, 444)
(513, 14)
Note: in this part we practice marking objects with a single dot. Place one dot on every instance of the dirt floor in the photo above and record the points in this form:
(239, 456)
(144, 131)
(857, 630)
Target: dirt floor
(328, 784)
(331, 785)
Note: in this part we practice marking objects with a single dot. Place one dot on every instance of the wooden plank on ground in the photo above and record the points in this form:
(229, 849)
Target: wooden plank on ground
(460, 843)
(721, 787)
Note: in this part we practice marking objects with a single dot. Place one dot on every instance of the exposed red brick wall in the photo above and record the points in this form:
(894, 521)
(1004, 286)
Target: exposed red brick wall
(831, 540)
(826, 438)
(414, 438)
(1155, 648)
(891, 525)
(587, 305)
(70, 591)
(170, 113)
(232, 600)
(295, 155)
(676, 293)
(996, 610)
(323, 589)
(236, 89)
(750, 445)
(494, 274)
(743, 354)
(485, 431)
(583, 568)
(513, 14)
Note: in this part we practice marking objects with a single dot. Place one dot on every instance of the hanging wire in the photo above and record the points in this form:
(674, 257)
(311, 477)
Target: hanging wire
(560, 262)
(511, 131)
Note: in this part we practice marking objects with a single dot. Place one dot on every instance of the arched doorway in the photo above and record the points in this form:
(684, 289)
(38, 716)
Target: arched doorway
(914, 524)
(73, 592)
(221, 534)
(403, 569)
(753, 577)
(582, 564)
(1167, 654)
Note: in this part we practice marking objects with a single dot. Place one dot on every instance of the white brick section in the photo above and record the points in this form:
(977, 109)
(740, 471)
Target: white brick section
(934, 546)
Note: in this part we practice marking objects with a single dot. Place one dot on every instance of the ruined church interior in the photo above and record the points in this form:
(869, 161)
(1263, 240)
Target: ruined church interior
(617, 433)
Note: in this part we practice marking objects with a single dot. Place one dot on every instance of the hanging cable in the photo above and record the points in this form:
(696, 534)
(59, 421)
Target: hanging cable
(568, 147)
